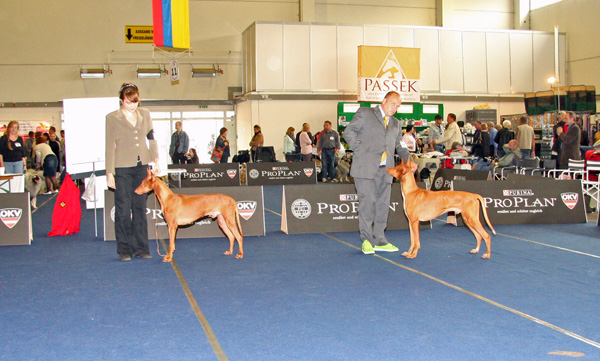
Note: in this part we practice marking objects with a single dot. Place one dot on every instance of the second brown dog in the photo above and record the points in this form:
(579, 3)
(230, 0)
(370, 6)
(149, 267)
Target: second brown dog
(181, 209)
(424, 205)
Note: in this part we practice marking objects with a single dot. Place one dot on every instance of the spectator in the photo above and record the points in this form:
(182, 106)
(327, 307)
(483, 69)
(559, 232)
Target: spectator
(481, 141)
(289, 145)
(504, 136)
(257, 141)
(28, 147)
(493, 145)
(526, 138)
(222, 145)
(191, 157)
(452, 133)
(570, 140)
(55, 146)
(456, 151)
(512, 154)
(46, 159)
(180, 143)
(436, 131)
(409, 138)
(585, 137)
(12, 150)
(327, 148)
(306, 143)
(298, 146)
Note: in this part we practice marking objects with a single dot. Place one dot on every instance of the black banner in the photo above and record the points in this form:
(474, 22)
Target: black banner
(529, 201)
(15, 219)
(206, 175)
(443, 178)
(333, 208)
(250, 206)
(281, 173)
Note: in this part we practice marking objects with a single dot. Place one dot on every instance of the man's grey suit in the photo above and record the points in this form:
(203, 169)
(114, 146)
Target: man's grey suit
(368, 138)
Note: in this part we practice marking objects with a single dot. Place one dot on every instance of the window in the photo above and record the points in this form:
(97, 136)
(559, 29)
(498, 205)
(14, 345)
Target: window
(536, 4)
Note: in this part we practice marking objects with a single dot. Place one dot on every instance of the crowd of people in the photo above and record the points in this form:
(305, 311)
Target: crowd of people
(43, 151)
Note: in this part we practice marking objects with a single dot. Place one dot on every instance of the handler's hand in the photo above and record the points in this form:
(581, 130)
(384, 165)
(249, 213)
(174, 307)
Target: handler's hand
(110, 181)
(559, 130)
(414, 167)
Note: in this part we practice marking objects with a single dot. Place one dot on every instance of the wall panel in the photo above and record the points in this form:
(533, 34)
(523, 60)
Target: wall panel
(474, 62)
(349, 38)
(323, 50)
(498, 62)
(451, 64)
(296, 57)
(521, 62)
(269, 56)
(377, 35)
(428, 41)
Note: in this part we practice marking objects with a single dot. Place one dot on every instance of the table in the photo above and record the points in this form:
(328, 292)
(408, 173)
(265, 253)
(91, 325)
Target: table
(12, 183)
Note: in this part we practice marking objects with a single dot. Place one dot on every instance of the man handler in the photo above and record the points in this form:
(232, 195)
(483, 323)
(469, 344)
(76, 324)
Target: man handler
(374, 135)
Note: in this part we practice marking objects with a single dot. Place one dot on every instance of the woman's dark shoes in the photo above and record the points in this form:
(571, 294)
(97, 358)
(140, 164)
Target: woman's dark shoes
(124, 257)
(144, 255)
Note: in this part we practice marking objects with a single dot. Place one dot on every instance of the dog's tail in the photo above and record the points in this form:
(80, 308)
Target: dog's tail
(485, 215)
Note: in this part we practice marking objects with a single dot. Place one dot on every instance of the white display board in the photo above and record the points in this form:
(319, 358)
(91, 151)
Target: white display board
(85, 132)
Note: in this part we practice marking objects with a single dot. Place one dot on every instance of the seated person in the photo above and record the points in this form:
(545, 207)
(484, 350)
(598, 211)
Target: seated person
(511, 155)
(455, 151)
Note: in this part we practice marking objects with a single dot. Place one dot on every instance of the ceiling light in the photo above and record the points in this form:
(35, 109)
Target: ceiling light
(206, 72)
(155, 72)
(94, 73)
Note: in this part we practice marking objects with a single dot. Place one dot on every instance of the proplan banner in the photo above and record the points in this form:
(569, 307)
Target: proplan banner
(333, 208)
(206, 175)
(529, 201)
(382, 69)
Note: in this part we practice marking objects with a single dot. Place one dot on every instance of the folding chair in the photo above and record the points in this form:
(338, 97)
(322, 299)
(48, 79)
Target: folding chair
(591, 184)
(525, 165)
(548, 164)
(576, 170)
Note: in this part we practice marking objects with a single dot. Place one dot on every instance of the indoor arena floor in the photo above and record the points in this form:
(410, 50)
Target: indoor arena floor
(304, 297)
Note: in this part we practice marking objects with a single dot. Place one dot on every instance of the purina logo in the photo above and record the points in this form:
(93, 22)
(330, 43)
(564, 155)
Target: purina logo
(10, 216)
(308, 171)
(517, 192)
(348, 197)
(246, 208)
(231, 173)
(570, 199)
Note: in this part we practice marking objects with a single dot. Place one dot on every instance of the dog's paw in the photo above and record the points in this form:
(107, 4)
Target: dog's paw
(475, 250)
(167, 259)
(405, 254)
(486, 255)
(227, 253)
(239, 255)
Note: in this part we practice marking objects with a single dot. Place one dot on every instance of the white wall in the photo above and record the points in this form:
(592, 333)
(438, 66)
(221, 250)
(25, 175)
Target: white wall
(579, 19)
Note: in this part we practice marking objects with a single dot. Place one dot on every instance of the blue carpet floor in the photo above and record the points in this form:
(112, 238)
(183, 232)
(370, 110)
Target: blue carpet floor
(304, 297)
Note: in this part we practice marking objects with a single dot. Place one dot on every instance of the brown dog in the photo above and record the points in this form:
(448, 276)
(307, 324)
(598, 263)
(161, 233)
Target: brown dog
(424, 205)
(180, 209)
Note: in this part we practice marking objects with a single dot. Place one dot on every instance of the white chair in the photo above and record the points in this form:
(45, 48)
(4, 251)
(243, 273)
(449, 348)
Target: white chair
(576, 170)
(592, 187)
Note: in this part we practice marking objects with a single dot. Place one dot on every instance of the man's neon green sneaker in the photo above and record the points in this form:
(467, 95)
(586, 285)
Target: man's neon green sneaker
(367, 248)
(386, 248)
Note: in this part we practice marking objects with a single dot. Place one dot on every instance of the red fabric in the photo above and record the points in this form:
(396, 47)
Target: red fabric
(591, 155)
(448, 162)
(67, 210)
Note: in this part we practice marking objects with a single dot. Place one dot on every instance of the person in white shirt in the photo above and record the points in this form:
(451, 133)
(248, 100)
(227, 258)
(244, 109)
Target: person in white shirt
(409, 138)
(452, 133)
(289, 146)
